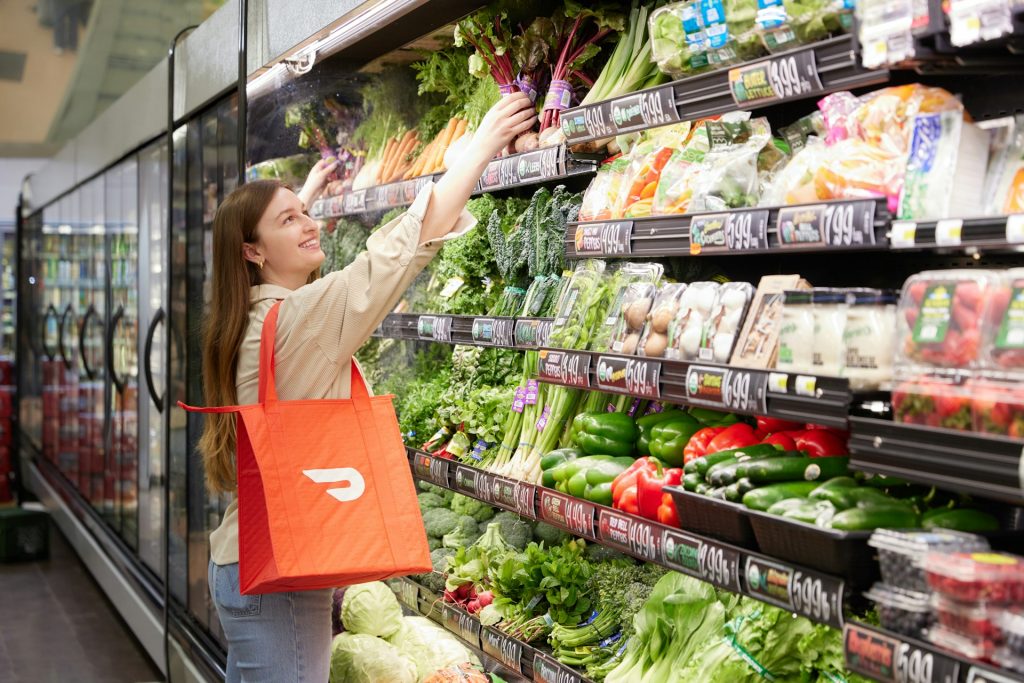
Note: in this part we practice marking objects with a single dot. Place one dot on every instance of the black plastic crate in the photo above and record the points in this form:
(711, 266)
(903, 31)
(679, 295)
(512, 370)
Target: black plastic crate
(24, 535)
(840, 553)
(713, 517)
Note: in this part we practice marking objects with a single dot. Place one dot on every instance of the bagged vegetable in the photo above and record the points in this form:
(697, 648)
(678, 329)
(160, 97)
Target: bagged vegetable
(654, 341)
(603, 191)
(729, 177)
(578, 310)
(646, 161)
(731, 303)
(678, 43)
(630, 274)
(675, 185)
(463, 673)
(794, 184)
(686, 331)
(362, 658)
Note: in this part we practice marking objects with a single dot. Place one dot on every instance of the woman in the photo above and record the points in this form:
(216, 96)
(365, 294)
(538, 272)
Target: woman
(266, 249)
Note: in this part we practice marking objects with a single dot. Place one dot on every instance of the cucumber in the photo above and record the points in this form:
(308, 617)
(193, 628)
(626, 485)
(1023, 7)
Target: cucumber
(787, 504)
(702, 489)
(704, 463)
(962, 520)
(730, 460)
(732, 493)
(817, 512)
(692, 481)
(723, 476)
(730, 473)
(767, 496)
(745, 486)
(716, 492)
(878, 516)
(866, 497)
(741, 470)
(796, 469)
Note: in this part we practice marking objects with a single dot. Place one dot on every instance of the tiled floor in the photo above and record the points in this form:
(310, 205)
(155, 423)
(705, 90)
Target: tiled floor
(56, 625)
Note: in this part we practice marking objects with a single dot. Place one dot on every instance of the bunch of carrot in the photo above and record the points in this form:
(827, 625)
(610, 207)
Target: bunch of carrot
(431, 159)
(398, 161)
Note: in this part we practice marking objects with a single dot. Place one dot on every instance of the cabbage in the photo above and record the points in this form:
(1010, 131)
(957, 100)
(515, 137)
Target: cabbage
(430, 646)
(371, 609)
(359, 658)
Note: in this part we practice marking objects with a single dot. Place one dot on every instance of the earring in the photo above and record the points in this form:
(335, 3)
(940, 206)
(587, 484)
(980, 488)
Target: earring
(260, 264)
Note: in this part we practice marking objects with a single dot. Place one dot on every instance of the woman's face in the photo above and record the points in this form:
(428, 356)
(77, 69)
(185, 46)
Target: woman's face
(288, 241)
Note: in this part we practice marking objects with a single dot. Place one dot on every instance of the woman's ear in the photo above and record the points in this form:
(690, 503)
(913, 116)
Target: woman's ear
(252, 254)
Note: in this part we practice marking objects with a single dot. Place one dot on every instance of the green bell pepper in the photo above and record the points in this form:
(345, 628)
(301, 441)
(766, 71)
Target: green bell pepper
(668, 439)
(606, 433)
(591, 477)
(550, 461)
(646, 423)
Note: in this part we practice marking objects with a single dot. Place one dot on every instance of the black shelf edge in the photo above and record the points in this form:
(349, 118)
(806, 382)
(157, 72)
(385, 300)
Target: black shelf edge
(474, 330)
(536, 167)
(967, 462)
(885, 656)
(721, 564)
(982, 233)
(836, 68)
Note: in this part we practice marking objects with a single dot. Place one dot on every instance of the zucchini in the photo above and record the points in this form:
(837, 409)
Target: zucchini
(730, 460)
(962, 520)
(796, 469)
(692, 481)
(732, 493)
(745, 486)
(704, 463)
(786, 504)
(874, 517)
(702, 489)
(716, 492)
(744, 465)
(817, 512)
(767, 496)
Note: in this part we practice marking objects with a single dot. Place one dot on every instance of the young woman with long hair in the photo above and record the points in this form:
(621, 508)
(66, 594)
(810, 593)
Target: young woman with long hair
(266, 249)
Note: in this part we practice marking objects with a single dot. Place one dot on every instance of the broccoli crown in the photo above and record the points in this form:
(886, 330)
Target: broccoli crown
(433, 543)
(549, 535)
(439, 521)
(476, 509)
(435, 580)
(599, 553)
(428, 501)
(444, 494)
(516, 531)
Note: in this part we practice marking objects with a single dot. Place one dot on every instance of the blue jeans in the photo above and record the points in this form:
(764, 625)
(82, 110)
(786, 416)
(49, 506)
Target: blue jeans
(272, 637)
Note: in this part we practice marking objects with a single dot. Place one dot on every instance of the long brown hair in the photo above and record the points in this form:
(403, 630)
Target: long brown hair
(227, 321)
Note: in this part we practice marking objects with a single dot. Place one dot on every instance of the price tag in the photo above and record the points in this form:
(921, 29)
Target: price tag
(354, 202)
(818, 597)
(806, 386)
(604, 239)
(1015, 228)
(976, 674)
(494, 331)
(731, 389)
(587, 123)
(408, 594)
(632, 535)
(778, 78)
(462, 624)
(645, 109)
(528, 167)
(474, 483)
(903, 234)
(843, 224)
(974, 21)
(747, 230)
(532, 332)
(547, 670)
(778, 382)
(702, 559)
(568, 368)
(514, 495)
(948, 232)
(429, 468)
(435, 328)
(886, 658)
(572, 514)
(708, 233)
(633, 376)
(503, 648)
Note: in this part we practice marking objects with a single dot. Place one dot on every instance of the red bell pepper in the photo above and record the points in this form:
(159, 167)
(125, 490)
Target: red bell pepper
(821, 443)
(738, 435)
(648, 488)
(667, 513)
(628, 502)
(782, 440)
(772, 425)
(697, 446)
(627, 478)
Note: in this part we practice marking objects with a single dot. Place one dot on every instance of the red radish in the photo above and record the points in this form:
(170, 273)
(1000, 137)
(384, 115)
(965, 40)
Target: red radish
(473, 607)
(485, 598)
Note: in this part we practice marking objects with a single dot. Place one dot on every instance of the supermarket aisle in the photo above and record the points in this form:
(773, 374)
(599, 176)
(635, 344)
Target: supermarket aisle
(56, 625)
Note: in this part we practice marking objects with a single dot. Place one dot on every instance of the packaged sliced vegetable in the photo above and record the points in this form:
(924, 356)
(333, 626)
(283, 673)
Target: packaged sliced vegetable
(636, 306)
(686, 330)
(885, 117)
(654, 341)
(797, 133)
(647, 159)
(794, 184)
(675, 185)
(678, 43)
(618, 290)
(742, 41)
(599, 199)
(731, 303)
(854, 169)
(577, 314)
(1007, 175)
(729, 177)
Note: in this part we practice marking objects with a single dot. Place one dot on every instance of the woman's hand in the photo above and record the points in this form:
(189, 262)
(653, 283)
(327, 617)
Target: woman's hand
(316, 181)
(513, 115)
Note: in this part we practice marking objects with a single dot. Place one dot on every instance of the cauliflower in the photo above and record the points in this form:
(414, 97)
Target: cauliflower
(464, 505)
(439, 521)
(516, 531)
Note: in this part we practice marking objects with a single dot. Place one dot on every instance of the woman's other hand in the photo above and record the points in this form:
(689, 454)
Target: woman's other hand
(316, 181)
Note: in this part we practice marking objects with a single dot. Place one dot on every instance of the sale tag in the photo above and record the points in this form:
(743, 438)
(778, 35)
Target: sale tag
(948, 232)
(1015, 228)
(604, 239)
(645, 109)
(565, 512)
(818, 597)
(702, 558)
(435, 328)
(568, 368)
(462, 624)
(632, 535)
(429, 468)
(633, 376)
(778, 382)
(503, 648)
(902, 234)
(547, 670)
(787, 76)
(728, 389)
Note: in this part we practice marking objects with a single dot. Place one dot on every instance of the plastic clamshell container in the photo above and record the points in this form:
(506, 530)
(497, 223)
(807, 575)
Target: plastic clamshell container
(654, 341)
(972, 577)
(932, 401)
(1011, 626)
(997, 406)
(906, 612)
(941, 318)
(686, 331)
(1009, 659)
(1003, 343)
(970, 647)
(726, 321)
(901, 554)
(969, 618)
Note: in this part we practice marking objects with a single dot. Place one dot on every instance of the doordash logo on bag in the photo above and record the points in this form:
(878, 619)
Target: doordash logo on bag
(356, 483)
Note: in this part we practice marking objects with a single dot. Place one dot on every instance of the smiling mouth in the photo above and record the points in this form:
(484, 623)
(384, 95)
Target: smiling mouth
(310, 244)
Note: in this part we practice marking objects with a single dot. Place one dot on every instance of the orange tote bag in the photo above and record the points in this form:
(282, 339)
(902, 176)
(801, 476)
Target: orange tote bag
(325, 493)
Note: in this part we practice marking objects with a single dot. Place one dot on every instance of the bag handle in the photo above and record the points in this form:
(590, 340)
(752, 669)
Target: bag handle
(268, 384)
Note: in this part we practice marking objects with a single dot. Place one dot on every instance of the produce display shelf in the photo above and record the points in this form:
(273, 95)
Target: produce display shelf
(983, 233)
(817, 69)
(978, 464)
(813, 594)
(539, 166)
(885, 656)
(512, 333)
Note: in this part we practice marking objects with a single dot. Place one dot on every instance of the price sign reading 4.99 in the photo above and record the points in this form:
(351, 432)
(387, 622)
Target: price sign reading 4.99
(703, 559)
(565, 512)
(604, 239)
(631, 535)
(787, 76)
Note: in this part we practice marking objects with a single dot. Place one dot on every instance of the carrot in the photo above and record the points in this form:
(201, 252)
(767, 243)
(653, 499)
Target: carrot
(401, 158)
(384, 158)
(445, 139)
(648, 190)
(396, 156)
(421, 160)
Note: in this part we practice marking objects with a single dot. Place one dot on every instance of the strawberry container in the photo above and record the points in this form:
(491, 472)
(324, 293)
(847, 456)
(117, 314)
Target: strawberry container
(971, 647)
(973, 577)
(974, 619)
(1003, 341)
(901, 554)
(932, 401)
(942, 316)
(1011, 626)
(997, 406)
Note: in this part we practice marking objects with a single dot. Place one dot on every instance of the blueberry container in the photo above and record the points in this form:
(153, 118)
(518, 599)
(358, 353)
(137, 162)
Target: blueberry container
(901, 553)
(906, 612)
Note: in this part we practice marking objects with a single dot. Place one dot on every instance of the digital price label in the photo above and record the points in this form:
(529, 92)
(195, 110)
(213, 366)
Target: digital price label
(633, 376)
(494, 331)
(842, 224)
(702, 558)
(429, 468)
(503, 648)
(565, 512)
(614, 238)
(462, 624)
(788, 76)
(630, 534)
(645, 109)
(564, 367)
(435, 328)
(547, 670)
(818, 597)
(731, 389)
